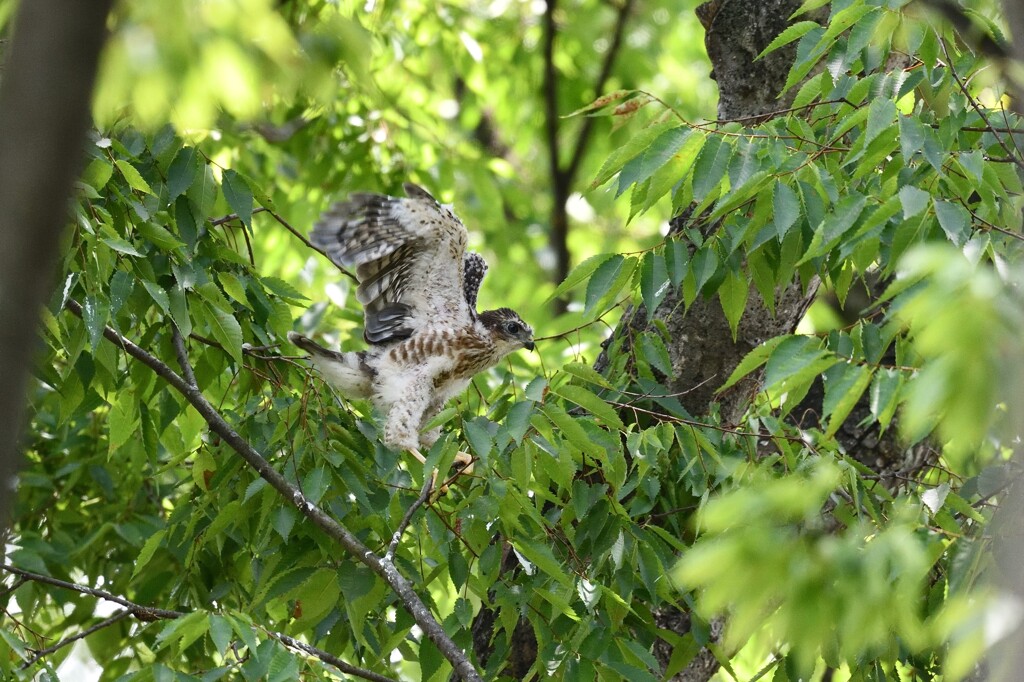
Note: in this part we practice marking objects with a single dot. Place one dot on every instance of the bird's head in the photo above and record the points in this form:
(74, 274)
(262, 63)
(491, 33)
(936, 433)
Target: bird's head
(508, 329)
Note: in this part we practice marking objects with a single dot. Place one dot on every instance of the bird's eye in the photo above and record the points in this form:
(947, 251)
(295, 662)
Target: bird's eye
(513, 328)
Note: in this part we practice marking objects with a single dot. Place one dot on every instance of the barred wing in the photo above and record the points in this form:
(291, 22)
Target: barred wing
(409, 259)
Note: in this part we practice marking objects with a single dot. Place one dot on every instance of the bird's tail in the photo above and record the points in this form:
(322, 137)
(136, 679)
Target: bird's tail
(348, 372)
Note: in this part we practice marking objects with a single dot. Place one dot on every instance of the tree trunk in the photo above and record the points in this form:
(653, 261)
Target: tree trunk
(44, 112)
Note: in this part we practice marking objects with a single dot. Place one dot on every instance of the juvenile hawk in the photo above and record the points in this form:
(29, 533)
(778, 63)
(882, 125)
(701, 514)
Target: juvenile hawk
(418, 286)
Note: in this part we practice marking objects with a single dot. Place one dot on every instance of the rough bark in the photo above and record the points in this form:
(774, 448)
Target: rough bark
(44, 113)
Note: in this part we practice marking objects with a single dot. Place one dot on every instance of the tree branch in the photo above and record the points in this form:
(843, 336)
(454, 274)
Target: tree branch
(41, 653)
(337, 532)
(149, 614)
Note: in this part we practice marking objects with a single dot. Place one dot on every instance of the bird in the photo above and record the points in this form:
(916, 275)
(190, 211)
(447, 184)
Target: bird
(418, 286)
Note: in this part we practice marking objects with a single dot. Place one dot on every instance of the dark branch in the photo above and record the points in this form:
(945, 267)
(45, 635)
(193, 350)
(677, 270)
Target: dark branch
(148, 614)
(398, 583)
(120, 615)
(428, 486)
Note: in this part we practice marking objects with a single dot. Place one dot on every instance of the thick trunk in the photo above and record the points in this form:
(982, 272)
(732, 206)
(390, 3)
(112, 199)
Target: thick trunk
(44, 112)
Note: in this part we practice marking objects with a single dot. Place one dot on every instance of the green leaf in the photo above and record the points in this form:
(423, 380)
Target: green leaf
(182, 172)
(570, 429)
(654, 284)
(954, 221)
(795, 358)
(752, 361)
(601, 282)
(158, 295)
(132, 176)
(540, 555)
(638, 143)
(793, 32)
(97, 173)
(592, 403)
(239, 196)
(808, 6)
(885, 395)
(95, 313)
(159, 236)
(586, 373)
(233, 287)
(711, 165)
(147, 551)
(733, 296)
(913, 200)
(786, 208)
(912, 136)
(123, 420)
(225, 329)
(179, 309)
(881, 115)
(844, 385)
(649, 160)
(121, 246)
(580, 273)
(283, 289)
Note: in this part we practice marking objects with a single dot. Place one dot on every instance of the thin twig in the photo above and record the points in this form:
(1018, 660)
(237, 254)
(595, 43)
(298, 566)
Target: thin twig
(141, 612)
(977, 108)
(120, 615)
(149, 614)
(327, 524)
(428, 486)
(284, 223)
(328, 658)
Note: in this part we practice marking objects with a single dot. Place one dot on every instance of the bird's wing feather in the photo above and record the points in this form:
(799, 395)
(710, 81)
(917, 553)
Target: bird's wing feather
(474, 267)
(409, 260)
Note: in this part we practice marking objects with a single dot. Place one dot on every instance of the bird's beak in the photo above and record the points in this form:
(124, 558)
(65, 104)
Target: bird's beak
(528, 345)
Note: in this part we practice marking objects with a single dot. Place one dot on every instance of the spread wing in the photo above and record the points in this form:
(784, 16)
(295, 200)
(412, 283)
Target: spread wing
(410, 260)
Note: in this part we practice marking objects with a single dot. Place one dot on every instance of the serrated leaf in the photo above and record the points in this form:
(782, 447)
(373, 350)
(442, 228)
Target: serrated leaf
(844, 385)
(540, 555)
(570, 429)
(239, 196)
(913, 200)
(147, 551)
(95, 313)
(580, 273)
(791, 358)
(158, 235)
(912, 136)
(233, 287)
(226, 330)
(182, 172)
(793, 32)
(591, 403)
(711, 165)
(121, 286)
(881, 115)
(158, 295)
(654, 284)
(478, 433)
(884, 395)
(97, 173)
(587, 373)
(133, 177)
(808, 6)
(733, 296)
(654, 156)
(786, 208)
(602, 280)
(122, 421)
(282, 288)
(636, 144)
(954, 221)
(121, 246)
(179, 310)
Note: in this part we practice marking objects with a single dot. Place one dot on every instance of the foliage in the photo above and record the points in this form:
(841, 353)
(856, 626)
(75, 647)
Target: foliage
(590, 487)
